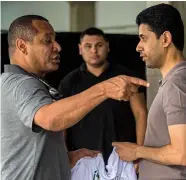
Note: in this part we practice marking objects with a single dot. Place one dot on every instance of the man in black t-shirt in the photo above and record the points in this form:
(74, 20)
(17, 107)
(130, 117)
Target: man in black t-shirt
(112, 120)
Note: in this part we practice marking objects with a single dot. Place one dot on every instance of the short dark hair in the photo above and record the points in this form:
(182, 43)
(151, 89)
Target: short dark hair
(22, 28)
(93, 31)
(161, 18)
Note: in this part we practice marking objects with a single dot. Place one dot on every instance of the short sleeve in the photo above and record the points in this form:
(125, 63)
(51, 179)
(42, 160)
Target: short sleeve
(174, 101)
(29, 96)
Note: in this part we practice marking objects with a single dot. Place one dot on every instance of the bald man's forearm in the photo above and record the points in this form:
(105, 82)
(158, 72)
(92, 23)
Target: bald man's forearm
(65, 113)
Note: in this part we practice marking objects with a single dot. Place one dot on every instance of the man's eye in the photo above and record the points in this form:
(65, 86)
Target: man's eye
(87, 46)
(100, 45)
(47, 41)
(142, 39)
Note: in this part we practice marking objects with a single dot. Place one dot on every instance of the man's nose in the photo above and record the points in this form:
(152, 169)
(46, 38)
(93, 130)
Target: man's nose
(57, 46)
(138, 47)
(94, 49)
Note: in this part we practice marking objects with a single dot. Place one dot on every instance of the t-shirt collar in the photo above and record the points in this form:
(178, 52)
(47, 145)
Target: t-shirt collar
(14, 68)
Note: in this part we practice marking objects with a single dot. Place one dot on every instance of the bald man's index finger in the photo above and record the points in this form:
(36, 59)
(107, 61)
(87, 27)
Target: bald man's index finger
(137, 81)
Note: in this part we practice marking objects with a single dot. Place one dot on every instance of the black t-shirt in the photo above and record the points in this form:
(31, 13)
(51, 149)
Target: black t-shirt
(110, 121)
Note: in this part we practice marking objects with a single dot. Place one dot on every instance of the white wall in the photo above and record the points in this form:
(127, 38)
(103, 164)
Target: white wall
(56, 12)
(121, 20)
(118, 16)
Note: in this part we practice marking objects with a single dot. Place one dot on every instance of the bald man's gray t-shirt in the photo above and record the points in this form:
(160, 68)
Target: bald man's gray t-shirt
(167, 109)
(28, 152)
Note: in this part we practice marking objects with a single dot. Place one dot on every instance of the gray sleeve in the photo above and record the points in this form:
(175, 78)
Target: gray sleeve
(174, 101)
(30, 95)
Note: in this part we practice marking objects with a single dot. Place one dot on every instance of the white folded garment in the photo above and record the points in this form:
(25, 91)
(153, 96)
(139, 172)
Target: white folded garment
(89, 168)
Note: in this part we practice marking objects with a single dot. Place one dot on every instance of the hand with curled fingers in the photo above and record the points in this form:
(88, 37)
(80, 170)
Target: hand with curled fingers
(126, 151)
(122, 87)
(74, 156)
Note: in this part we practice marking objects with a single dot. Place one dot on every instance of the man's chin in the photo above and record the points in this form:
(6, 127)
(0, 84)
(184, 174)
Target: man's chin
(96, 64)
(150, 66)
(54, 67)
